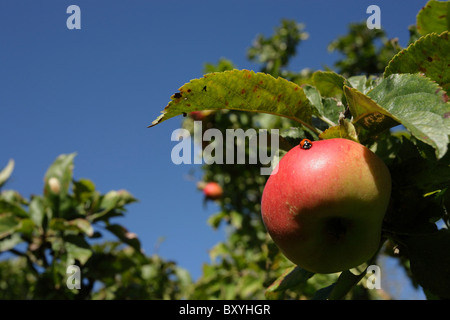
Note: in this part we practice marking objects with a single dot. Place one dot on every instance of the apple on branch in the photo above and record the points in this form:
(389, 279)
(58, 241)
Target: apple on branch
(211, 190)
(325, 206)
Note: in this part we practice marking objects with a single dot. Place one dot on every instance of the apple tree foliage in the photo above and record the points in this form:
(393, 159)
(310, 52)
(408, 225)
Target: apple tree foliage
(45, 234)
(393, 100)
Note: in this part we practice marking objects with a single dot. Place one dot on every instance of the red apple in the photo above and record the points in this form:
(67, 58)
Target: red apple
(213, 191)
(200, 115)
(324, 207)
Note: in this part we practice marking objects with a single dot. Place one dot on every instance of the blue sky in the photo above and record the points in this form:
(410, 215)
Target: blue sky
(94, 91)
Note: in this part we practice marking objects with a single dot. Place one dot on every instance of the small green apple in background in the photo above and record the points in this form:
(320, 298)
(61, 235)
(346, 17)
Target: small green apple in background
(325, 206)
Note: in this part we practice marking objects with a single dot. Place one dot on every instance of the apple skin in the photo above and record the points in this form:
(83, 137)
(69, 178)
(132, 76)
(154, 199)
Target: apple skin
(213, 191)
(200, 115)
(325, 206)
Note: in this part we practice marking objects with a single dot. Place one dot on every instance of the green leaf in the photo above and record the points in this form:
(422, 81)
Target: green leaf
(333, 108)
(331, 133)
(75, 225)
(62, 170)
(346, 281)
(83, 190)
(292, 137)
(291, 278)
(428, 55)
(215, 219)
(8, 224)
(241, 90)
(220, 249)
(434, 17)
(359, 83)
(338, 290)
(6, 172)
(83, 225)
(420, 105)
(345, 130)
(236, 219)
(125, 236)
(12, 196)
(323, 293)
(314, 98)
(26, 227)
(329, 84)
(363, 84)
(112, 205)
(10, 242)
(369, 118)
(430, 261)
(13, 208)
(77, 249)
(37, 210)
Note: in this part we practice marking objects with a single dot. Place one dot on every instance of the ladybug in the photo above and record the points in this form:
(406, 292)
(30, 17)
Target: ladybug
(305, 144)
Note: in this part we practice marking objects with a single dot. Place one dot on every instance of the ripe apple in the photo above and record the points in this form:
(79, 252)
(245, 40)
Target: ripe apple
(212, 191)
(325, 205)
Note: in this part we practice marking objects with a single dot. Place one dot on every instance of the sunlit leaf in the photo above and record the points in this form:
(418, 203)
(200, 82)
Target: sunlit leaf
(369, 118)
(77, 249)
(419, 104)
(10, 242)
(8, 224)
(434, 17)
(428, 55)
(62, 170)
(329, 84)
(125, 236)
(242, 90)
(6, 172)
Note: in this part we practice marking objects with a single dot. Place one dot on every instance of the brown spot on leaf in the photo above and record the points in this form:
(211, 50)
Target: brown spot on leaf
(255, 88)
(430, 59)
(188, 104)
(279, 98)
(445, 98)
(373, 119)
(177, 95)
(243, 91)
(189, 90)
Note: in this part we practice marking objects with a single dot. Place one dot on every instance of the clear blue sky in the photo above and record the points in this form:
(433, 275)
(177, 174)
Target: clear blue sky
(94, 91)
